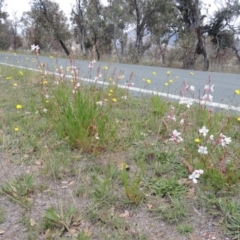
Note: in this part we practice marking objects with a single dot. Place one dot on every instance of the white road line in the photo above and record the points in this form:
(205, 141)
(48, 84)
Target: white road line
(140, 90)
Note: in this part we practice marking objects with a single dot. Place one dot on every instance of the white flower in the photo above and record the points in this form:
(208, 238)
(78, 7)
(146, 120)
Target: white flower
(124, 97)
(224, 140)
(45, 110)
(186, 101)
(182, 122)
(211, 137)
(202, 150)
(34, 47)
(207, 97)
(204, 131)
(195, 175)
(192, 88)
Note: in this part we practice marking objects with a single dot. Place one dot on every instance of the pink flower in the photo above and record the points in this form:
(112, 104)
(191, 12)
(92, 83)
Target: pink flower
(176, 137)
(172, 118)
(208, 88)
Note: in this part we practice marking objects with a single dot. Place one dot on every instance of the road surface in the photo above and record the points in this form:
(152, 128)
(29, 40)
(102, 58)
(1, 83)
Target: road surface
(137, 78)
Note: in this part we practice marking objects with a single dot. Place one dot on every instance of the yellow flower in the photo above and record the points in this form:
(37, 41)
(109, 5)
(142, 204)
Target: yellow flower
(149, 81)
(197, 140)
(110, 79)
(154, 73)
(166, 84)
(168, 72)
(51, 57)
(18, 106)
(105, 68)
(47, 101)
(9, 78)
(114, 99)
(191, 73)
(111, 91)
(109, 94)
(45, 82)
(237, 91)
(14, 84)
(16, 129)
(238, 119)
(171, 81)
(67, 68)
(21, 73)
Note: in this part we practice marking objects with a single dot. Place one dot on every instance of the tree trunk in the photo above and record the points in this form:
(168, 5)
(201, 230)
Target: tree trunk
(201, 49)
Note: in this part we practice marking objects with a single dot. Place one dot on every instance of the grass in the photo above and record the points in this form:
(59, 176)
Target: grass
(87, 162)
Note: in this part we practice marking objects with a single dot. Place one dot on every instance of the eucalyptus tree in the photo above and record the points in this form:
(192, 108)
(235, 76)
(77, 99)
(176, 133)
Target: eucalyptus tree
(47, 14)
(117, 19)
(4, 28)
(220, 29)
(79, 22)
(163, 26)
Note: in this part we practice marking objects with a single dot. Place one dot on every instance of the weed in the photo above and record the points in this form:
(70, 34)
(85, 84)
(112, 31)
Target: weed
(20, 189)
(2, 215)
(166, 187)
(174, 212)
(184, 228)
(132, 186)
(60, 220)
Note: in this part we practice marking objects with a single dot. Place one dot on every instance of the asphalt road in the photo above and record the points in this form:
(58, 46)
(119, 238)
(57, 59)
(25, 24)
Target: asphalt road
(224, 84)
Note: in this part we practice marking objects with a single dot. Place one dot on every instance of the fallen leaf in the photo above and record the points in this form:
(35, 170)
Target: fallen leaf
(32, 222)
(184, 181)
(191, 193)
(72, 230)
(47, 234)
(122, 166)
(71, 183)
(186, 165)
(87, 232)
(39, 163)
(125, 214)
(149, 206)
(196, 211)
(112, 211)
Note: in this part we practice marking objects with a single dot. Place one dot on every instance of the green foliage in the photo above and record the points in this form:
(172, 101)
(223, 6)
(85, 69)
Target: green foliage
(20, 189)
(184, 228)
(231, 213)
(174, 212)
(132, 186)
(22, 186)
(2, 215)
(78, 119)
(166, 187)
(60, 219)
(159, 106)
